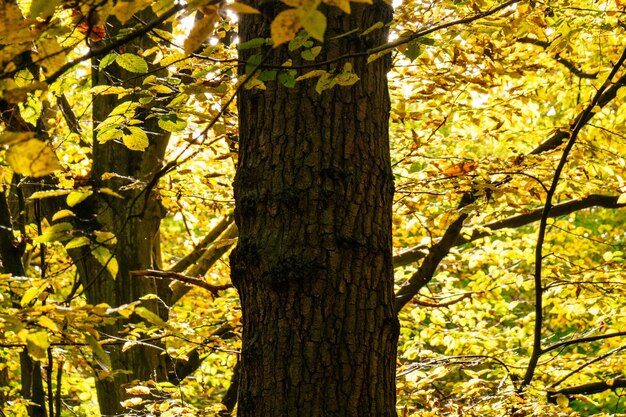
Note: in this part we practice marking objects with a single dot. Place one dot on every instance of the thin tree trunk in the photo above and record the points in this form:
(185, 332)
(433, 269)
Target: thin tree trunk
(313, 265)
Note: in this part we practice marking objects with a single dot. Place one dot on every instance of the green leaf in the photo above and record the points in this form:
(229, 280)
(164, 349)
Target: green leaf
(108, 134)
(77, 242)
(55, 233)
(314, 23)
(413, 50)
(127, 109)
(253, 43)
(287, 78)
(172, 123)
(151, 317)
(42, 8)
(76, 197)
(136, 140)
(253, 62)
(311, 54)
(106, 259)
(100, 355)
(107, 60)
(132, 63)
(268, 75)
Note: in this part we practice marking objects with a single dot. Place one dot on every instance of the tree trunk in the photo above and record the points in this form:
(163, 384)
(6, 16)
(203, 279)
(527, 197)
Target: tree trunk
(135, 220)
(313, 265)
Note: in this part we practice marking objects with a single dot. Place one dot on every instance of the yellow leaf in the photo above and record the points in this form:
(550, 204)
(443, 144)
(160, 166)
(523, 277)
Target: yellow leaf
(37, 344)
(136, 140)
(201, 30)
(150, 316)
(311, 74)
(61, 214)
(77, 242)
(32, 158)
(138, 390)
(562, 400)
(241, 8)
(76, 197)
(48, 194)
(106, 258)
(49, 55)
(14, 29)
(621, 199)
(344, 5)
(106, 238)
(10, 138)
(314, 22)
(285, 26)
(124, 10)
(47, 323)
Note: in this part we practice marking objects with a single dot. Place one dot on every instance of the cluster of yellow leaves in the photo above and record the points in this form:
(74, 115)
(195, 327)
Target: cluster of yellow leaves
(304, 14)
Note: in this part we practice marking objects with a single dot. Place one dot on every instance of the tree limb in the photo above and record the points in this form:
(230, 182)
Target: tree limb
(180, 277)
(198, 250)
(204, 263)
(593, 200)
(588, 389)
(558, 58)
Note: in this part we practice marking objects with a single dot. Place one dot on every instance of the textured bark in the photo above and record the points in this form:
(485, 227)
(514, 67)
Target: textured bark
(135, 221)
(313, 264)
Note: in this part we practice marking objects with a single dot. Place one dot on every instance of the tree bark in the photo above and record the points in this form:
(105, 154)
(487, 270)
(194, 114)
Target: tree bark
(313, 265)
(135, 221)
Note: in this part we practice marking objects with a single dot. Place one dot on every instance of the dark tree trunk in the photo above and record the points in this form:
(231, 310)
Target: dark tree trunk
(135, 220)
(313, 265)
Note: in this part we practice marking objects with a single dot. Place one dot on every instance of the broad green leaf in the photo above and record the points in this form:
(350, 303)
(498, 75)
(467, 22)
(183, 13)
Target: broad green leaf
(48, 193)
(252, 43)
(108, 134)
(126, 108)
(42, 8)
(413, 50)
(311, 54)
(314, 23)
(151, 317)
(136, 140)
(76, 197)
(54, 233)
(287, 78)
(132, 63)
(107, 60)
(77, 242)
(171, 123)
(106, 259)
(100, 355)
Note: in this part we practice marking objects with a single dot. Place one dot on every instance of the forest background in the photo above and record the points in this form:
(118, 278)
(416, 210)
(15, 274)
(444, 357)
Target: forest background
(120, 138)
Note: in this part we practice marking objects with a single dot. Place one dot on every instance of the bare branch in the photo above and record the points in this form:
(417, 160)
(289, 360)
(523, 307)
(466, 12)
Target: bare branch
(558, 58)
(198, 250)
(594, 200)
(209, 257)
(180, 277)
(588, 389)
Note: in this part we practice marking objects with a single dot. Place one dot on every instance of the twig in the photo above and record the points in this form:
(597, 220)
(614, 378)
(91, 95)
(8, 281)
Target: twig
(180, 277)
(584, 117)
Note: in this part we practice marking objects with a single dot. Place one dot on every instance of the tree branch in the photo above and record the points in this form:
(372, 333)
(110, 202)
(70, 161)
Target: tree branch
(180, 277)
(558, 58)
(588, 389)
(203, 264)
(594, 200)
(575, 129)
(95, 52)
(198, 250)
